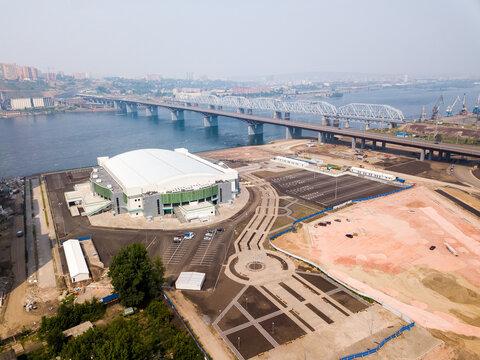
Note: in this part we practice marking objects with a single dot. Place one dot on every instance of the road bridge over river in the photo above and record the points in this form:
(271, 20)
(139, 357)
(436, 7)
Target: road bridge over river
(326, 132)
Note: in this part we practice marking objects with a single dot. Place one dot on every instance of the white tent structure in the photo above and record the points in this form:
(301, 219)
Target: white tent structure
(190, 281)
(77, 266)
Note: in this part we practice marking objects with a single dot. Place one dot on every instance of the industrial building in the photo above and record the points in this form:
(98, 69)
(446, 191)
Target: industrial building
(77, 266)
(156, 182)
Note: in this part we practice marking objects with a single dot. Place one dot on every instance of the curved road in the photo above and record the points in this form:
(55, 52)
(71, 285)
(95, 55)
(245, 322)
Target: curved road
(464, 174)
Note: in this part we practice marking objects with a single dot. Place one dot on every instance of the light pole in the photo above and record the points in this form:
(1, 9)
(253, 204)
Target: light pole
(63, 220)
(246, 304)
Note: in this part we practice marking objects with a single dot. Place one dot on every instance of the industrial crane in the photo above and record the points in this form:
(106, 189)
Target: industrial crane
(464, 107)
(436, 108)
(476, 109)
(450, 108)
(423, 116)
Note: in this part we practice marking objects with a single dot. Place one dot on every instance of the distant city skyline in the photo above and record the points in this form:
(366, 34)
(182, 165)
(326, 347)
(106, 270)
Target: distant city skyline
(245, 40)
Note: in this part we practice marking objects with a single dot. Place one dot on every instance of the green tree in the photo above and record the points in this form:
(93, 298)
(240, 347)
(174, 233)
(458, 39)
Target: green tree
(134, 276)
(438, 137)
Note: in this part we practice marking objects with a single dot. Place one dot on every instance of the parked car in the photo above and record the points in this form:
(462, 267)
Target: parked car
(189, 235)
(178, 238)
(220, 229)
(19, 233)
(322, 224)
(349, 236)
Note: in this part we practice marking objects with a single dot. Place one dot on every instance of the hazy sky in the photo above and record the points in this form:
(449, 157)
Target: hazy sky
(243, 37)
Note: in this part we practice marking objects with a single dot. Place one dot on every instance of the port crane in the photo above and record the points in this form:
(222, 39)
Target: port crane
(476, 109)
(450, 108)
(423, 116)
(435, 109)
(464, 106)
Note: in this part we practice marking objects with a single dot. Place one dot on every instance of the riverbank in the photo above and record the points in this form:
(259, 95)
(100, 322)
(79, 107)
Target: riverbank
(13, 114)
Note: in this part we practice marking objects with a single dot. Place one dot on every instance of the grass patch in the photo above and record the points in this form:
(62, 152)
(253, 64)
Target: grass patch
(281, 221)
(284, 202)
(299, 211)
(332, 166)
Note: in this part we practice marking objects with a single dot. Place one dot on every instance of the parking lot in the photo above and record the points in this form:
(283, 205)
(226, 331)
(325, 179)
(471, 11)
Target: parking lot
(194, 254)
(325, 190)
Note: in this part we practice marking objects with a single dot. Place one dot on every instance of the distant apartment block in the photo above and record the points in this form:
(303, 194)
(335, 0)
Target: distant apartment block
(16, 72)
(28, 103)
(81, 75)
(21, 104)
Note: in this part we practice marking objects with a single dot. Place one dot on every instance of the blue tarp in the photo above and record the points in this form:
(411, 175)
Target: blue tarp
(110, 298)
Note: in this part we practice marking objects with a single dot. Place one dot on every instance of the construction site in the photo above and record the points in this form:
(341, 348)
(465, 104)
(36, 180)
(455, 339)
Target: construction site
(344, 252)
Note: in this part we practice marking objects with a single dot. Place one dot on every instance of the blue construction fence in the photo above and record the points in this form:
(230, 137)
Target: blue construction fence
(373, 351)
(337, 206)
(188, 328)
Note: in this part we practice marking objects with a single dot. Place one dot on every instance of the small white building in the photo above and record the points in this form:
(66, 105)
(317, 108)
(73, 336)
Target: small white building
(77, 266)
(291, 161)
(190, 281)
(372, 174)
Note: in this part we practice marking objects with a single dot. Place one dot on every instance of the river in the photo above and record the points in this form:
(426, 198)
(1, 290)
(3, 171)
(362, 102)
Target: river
(42, 143)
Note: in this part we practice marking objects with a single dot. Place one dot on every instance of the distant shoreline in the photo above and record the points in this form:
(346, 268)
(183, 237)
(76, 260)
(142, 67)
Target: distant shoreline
(7, 115)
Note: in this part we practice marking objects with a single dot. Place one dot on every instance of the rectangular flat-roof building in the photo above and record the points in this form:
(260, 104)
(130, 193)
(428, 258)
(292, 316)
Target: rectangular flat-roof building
(77, 266)
(190, 281)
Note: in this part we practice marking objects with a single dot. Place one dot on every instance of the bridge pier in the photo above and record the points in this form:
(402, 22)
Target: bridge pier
(131, 108)
(362, 144)
(220, 107)
(177, 115)
(384, 145)
(211, 107)
(249, 112)
(347, 124)
(392, 125)
(354, 142)
(240, 111)
(336, 122)
(151, 111)
(322, 137)
(287, 115)
(325, 121)
(292, 132)
(277, 114)
(255, 129)
(422, 154)
(367, 126)
(117, 105)
(430, 154)
(210, 121)
(374, 145)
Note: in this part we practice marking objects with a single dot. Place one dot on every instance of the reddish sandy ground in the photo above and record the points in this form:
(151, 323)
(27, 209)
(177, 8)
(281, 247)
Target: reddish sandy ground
(391, 261)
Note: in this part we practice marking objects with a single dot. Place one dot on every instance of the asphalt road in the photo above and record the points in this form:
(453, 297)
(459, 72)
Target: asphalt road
(190, 255)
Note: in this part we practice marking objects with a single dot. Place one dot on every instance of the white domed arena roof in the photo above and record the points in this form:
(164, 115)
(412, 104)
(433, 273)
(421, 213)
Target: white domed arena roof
(144, 170)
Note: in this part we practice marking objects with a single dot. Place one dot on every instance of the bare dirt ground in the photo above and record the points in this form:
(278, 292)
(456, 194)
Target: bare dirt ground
(391, 261)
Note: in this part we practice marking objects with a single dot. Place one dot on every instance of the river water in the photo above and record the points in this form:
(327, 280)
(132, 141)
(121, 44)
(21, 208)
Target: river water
(42, 143)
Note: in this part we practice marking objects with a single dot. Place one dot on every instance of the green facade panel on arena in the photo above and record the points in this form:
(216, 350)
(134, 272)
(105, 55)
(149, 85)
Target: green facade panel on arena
(100, 190)
(187, 196)
(125, 199)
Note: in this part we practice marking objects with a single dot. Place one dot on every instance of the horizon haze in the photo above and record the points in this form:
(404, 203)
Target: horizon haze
(244, 40)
